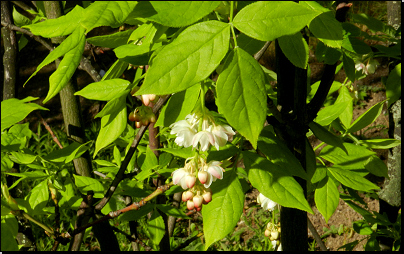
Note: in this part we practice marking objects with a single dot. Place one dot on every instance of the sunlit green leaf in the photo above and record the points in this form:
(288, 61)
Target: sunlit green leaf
(189, 59)
(241, 94)
(221, 215)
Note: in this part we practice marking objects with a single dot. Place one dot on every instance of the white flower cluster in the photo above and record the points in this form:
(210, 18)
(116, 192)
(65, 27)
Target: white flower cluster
(211, 134)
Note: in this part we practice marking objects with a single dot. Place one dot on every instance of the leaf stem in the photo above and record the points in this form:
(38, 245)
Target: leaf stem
(231, 23)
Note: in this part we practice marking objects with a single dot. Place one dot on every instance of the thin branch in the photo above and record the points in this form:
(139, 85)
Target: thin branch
(25, 31)
(48, 128)
(134, 206)
(261, 52)
(316, 235)
(84, 65)
(121, 173)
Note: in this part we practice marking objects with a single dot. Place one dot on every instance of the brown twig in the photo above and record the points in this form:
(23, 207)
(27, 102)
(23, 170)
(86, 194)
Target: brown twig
(134, 206)
(48, 128)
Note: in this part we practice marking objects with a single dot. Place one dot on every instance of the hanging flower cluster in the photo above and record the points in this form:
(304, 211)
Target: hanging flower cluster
(197, 176)
(196, 130)
(272, 231)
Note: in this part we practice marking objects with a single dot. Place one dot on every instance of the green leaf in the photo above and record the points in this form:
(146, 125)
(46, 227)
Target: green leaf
(349, 67)
(136, 54)
(68, 65)
(137, 214)
(116, 70)
(70, 44)
(366, 118)
(267, 21)
(180, 152)
(67, 154)
(346, 115)
(326, 197)
(224, 153)
(295, 49)
(156, 227)
(358, 155)
(189, 59)
(23, 158)
(39, 195)
(326, 54)
(274, 183)
(362, 228)
(111, 107)
(241, 94)
(112, 126)
(376, 166)
(324, 135)
(278, 153)
(221, 215)
(150, 161)
(327, 29)
(250, 45)
(107, 13)
(382, 143)
(86, 184)
(14, 110)
(172, 211)
(104, 90)
(351, 179)
(178, 106)
(61, 26)
(355, 45)
(330, 113)
(111, 40)
(9, 228)
(393, 85)
(319, 174)
(35, 175)
(176, 13)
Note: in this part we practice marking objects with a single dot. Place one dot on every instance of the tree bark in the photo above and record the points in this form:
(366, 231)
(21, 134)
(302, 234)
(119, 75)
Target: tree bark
(10, 53)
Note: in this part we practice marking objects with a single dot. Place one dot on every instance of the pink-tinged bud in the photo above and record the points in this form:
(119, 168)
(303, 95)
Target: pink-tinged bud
(207, 197)
(199, 208)
(190, 205)
(145, 99)
(203, 177)
(197, 201)
(152, 97)
(138, 124)
(187, 195)
(267, 233)
(190, 181)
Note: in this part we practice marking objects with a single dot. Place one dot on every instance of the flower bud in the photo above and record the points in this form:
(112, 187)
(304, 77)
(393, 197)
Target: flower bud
(131, 117)
(207, 197)
(138, 124)
(199, 208)
(197, 201)
(152, 118)
(203, 177)
(145, 121)
(190, 181)
(187, 195)
(267, 233)
(190, 205)
(275, 234)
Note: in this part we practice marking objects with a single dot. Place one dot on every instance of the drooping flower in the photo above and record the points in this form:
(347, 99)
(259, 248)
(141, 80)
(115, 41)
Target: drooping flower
(185, 130)
(266, 203)
(213, 170)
